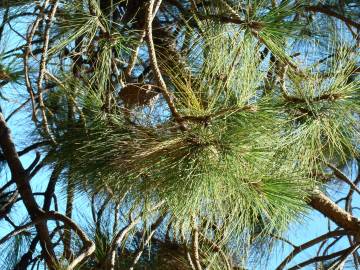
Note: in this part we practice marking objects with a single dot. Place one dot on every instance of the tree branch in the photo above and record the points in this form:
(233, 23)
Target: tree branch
(327, 207)
(327, 11)
(321, 258)
(139, 252)
(20, 177)
(159, 79)
(195, 245)
(43, 61)
(339, 174)
(309, 244)
(88, 245)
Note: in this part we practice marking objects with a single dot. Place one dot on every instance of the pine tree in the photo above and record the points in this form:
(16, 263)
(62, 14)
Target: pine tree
(192, 133)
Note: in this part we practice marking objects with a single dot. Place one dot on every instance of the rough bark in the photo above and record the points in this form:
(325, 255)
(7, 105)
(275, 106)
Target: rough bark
(20, 177)
(335, 213)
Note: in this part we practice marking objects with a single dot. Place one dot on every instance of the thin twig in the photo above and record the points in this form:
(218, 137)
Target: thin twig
(134, 56)
(118, 238)
(321, 258)
(188, 255)
(9, 203)
(18, 230)
(309, 244)
(230, 10)
(27, 149)
(140, 251)
(116, 218)
(27, 52)
(195, 244)
(101, 211)
(339, 174)
(135, 53)
(159, 79)
(4, 21)
(327, 11)
(43, 61)
(89, 246)
(217, 248)
(341, 261)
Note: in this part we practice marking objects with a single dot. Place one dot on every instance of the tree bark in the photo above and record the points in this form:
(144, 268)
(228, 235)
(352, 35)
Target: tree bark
(21, 178)
(331, 210)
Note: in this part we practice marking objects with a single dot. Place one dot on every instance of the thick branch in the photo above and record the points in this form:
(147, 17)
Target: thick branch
(20, 177)
(89, 246)
(331, 210)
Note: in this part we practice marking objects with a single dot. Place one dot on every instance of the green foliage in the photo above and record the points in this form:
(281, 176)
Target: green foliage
(242, 166)
(227, 74)
(325, 108)
(224, 171)
(9, 72)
